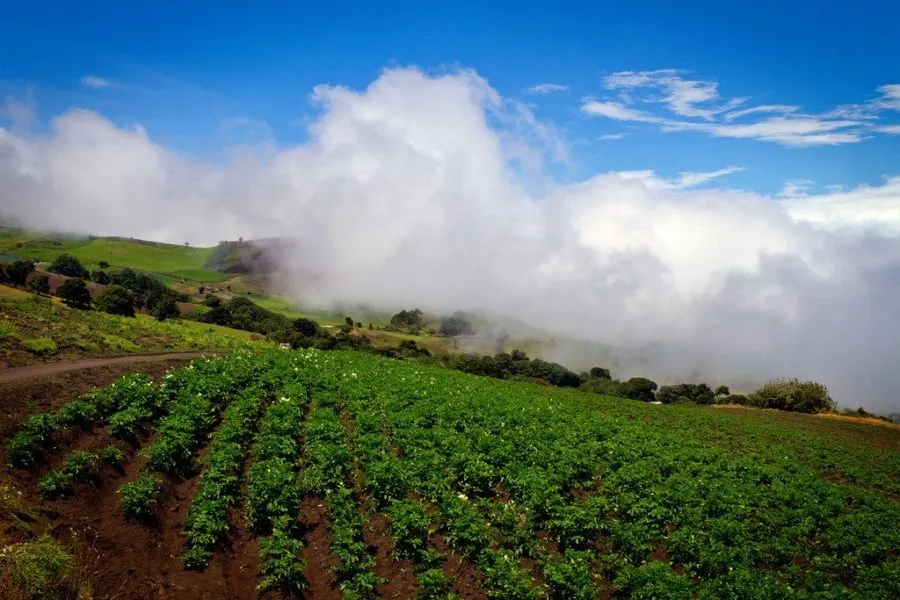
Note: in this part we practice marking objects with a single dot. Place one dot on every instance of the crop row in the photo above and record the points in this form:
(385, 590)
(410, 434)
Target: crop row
(274, 493)
(206, 525)
(328, 471)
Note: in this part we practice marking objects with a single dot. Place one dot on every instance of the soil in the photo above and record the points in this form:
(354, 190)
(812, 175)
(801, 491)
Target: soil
(126, 559)
(46, 387)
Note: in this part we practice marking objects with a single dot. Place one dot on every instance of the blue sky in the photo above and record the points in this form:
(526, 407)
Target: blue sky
(204, 76)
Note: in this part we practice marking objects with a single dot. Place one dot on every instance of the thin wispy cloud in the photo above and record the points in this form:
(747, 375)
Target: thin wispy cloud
(543, 89)
(97, 83)
(611, 136)
(795, 188)
(668, 99)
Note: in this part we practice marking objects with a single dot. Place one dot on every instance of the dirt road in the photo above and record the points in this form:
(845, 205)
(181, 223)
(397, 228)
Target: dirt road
(51, 369)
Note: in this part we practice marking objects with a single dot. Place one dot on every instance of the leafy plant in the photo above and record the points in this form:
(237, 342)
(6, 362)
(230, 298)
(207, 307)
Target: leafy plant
(140, 497)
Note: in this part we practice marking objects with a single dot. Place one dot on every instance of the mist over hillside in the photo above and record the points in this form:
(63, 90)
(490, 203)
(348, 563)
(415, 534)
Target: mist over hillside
(435, 191)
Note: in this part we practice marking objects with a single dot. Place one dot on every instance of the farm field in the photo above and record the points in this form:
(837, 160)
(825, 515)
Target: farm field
(34, 329)
(339, 474)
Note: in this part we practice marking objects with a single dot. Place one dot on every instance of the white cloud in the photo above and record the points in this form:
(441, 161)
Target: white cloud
(547, 88)
(895, 129)
(766, 108)
(686, 100)
(795, 188)
(92, 81)
(615, 110)
(689, 179)
(407, 193)
(611, 136)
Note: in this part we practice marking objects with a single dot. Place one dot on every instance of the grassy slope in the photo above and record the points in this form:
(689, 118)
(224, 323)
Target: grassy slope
(79, 334)
(180, 262)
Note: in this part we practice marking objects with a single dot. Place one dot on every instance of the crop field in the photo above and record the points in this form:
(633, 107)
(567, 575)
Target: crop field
(338, 474)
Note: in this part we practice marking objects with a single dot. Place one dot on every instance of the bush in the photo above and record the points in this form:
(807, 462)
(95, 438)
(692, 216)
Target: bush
(793, 395)
(40, 346)
(116, 300)
(212, 301)
(100, 277)
(639, 388)
(103, 264)
(40, 568)
(68, 265)
(18, 272)
(40, 284)
(456, 325)
(166, 309)
(75, 293)
(686, 393)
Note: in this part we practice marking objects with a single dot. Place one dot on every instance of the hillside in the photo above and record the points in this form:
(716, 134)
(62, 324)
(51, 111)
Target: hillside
(34, 329)
(341, 473)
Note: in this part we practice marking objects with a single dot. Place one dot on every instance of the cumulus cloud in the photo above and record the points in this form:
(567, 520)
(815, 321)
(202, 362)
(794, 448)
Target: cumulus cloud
(695, 105)
(543, 89)
(413, 192)
(98, 83)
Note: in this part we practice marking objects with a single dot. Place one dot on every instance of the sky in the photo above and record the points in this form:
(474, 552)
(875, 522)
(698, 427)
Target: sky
(713, 191)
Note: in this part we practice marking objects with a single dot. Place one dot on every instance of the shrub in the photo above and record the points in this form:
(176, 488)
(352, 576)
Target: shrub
(639, 388)
(18, 272)
(75, 293)
(100, 277)
(166, 309)
(40, 284)
(116, 300)
(68, 265)
(40, 346)
(686, 393)
(103, 264)
(793, 395)
(40, 568)
(140, 497)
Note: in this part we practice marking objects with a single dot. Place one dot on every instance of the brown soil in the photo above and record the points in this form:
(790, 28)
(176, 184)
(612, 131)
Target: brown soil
(400, 574)
(55, 368)
(466, 579)
(21, 393)
(317, 551)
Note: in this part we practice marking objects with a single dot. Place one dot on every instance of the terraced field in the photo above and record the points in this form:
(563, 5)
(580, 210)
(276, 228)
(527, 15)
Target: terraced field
(344, 475)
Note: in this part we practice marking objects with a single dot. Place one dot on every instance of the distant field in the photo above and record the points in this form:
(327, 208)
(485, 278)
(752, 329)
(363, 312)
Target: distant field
(33, 329)
(179, 262)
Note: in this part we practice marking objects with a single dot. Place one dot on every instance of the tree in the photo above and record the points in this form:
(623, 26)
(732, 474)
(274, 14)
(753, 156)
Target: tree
(793, 395)
(518, 355)
(600, 373)
(100, 277)
(456, 325)
(639, 388)
(349, 322)
(686, 393)
(40, 284)
(305, 327)
(68, 265)
(19, 271)
(212, 301)
(722, 390)
(201, 290)
(166, 309)
(116, 300)
(4, 274)
(408, 319)
(103, 264)
(75, 293)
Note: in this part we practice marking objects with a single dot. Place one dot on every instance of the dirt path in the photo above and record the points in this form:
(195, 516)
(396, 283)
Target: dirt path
(50, 369)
